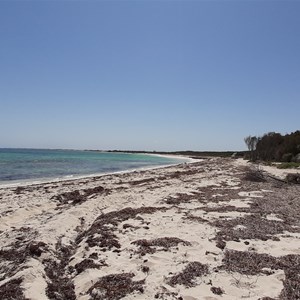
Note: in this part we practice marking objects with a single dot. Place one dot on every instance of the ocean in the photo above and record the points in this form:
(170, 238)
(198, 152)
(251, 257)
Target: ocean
(23, 165)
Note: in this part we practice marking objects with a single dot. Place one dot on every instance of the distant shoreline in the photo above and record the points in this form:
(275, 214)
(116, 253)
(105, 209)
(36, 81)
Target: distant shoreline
(73, 177)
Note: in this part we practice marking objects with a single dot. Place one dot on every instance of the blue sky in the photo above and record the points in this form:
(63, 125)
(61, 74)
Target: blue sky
(153, 75)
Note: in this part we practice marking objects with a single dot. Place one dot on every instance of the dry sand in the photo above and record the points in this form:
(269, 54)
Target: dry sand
(205, 230)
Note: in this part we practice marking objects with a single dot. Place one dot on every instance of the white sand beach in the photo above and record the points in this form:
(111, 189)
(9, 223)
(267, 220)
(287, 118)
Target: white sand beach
(202, 230)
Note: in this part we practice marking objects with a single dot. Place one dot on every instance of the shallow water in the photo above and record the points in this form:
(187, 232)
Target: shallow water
(31, 164)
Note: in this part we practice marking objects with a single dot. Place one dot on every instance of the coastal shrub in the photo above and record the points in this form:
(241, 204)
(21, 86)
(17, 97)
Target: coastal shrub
(255, 175)
(273, 146)
(287, 157)
(293, 178)
(288, 165)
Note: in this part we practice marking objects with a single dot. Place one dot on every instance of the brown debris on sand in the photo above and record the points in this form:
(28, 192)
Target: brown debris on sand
(251, 263)
(254, 175)
(189, 273)
(217, 290)
(78, 196)
(101, 231)
(12, 290)
(88, 264)
(115, 286)
(293, 178)
(148, 246)
(249, 227)
(13, 257)
(247, 263)
(59, 284)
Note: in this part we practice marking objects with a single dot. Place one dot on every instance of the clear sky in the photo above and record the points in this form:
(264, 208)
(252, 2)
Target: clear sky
(147, 75)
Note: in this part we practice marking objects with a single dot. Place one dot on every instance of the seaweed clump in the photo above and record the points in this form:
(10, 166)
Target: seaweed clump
(78, 196)
(101, 231)
(190, 272)
(250, 227)
(115, 286)
(247, 263)
(59, 285)
(147, 246)
(12, 290)
(88, 264)
(251, 263)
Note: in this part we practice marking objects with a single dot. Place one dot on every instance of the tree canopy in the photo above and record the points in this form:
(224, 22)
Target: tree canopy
(273, 146)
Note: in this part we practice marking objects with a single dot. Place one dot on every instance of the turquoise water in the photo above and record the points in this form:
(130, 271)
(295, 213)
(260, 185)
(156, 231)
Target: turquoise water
(41, 164)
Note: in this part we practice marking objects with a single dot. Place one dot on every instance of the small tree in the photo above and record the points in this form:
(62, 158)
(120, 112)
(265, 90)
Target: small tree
(251, 142)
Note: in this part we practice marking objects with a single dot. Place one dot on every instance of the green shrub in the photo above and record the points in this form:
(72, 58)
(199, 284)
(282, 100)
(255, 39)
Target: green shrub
(288, 165)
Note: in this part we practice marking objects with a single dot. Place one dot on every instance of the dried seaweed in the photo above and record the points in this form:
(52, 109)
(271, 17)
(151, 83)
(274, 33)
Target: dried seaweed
(20, 190)
(251, 263)
(220, 244)
(106, 239)
(12, 290)
(115, 286)
(248, 263)
(191, 217)
(180, 198)
(59, 285)
(291, 287)
(101, 231)
(88, 264)
(166, 294)
(37, 248)
(216, 290)
(12, 259)
(78, 196)
(187, 276)
(249, 227)
(142, 181)
(148, 246)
